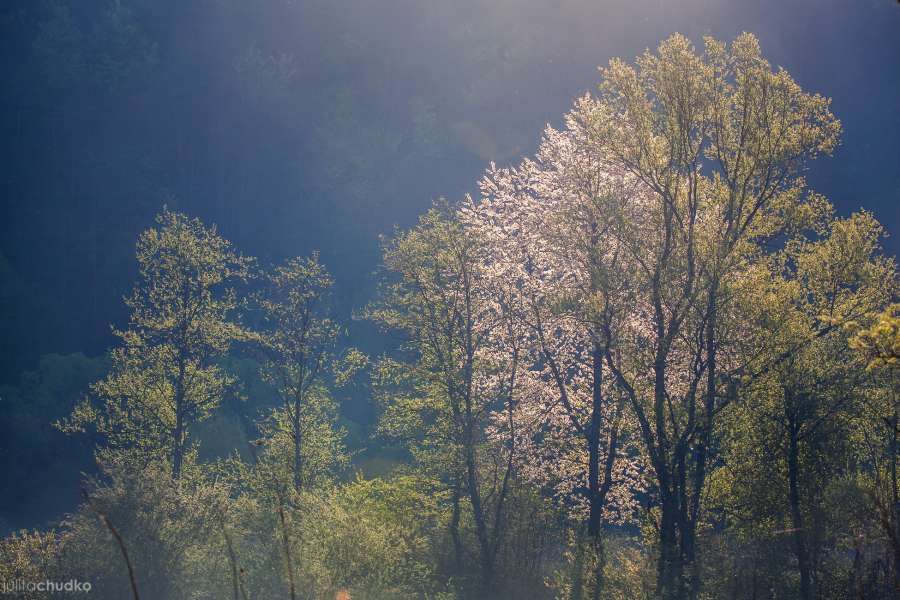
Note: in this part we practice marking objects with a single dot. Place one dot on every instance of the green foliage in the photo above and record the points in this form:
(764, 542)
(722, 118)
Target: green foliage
(374, 538)
(749, 332)
(880, 342)
(786, 482)
(426, 304)
(163, 527)
(164, 378)
(628, 570)
(323, 453)
(28, 556)
(297, 345)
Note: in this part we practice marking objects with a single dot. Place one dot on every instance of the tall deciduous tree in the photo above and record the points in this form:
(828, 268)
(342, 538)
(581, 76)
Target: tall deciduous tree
(719, 139)
(298, 344)
(550, 225)
(164, 378)
(878, 344)
(702, 154)
(462, 363)
(794, 422)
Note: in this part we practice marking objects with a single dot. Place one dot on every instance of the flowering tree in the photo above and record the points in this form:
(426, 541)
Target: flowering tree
(636, 222)
(551, 226)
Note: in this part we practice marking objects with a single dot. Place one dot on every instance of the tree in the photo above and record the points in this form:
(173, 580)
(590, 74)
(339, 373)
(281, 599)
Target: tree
(550, 225)
(164, 378)
(718, 140)
(297, 345)
(462, 366)
(799, 404)
(880, 342)
(696, 159)
(876, 340)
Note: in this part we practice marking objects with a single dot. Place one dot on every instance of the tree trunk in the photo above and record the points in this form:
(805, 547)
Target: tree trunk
(454, 529)
(178, 434)
(595, 515)
(796, 512)
(577, 592)
(481, 531)
(701, 451)
(180, 390)
(592, 432)
(178, 450)
(298, 446)
(894, 518)
(670, 568)
(599, 566)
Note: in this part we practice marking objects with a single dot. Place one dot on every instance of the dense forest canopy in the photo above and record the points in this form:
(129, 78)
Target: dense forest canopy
(651, 353)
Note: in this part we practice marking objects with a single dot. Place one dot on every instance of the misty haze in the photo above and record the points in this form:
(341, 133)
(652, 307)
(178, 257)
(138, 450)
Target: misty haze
(450, 300)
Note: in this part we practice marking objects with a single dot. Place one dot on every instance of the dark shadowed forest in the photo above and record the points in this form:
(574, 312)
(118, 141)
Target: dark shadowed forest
(450, 300)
